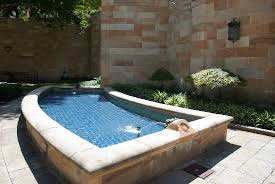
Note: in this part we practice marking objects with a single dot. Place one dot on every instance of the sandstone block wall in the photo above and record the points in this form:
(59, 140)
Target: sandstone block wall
(36, 49)
(179, 38)
(252, 57)
(95, 45)
(185, 36)
(134, 39)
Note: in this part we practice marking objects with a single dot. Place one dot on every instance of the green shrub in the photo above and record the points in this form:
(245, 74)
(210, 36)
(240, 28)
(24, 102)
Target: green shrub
(265, 120)
(243, 114)
(123, 88)
(214, 78)
(135, 90)
(142, 93)
(98, 80)
(172, 100)
(162, 76)
(179, 100)
(92, 83)
(10, 91)
(160, 96)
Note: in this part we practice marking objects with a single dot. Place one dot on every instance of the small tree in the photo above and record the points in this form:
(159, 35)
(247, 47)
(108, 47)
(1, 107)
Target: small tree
(162, 76)
(214, 78)
(53, 12)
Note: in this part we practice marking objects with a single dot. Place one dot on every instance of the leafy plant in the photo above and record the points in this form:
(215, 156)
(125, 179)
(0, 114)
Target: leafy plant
(179, 100)
(54, 12)
(98, 80)
(10, 91)
(243, 114)
(92, 83)
(161, 75)
(124, 88)
(142, 93)
(267, 119)
(214, 78)
(160, 96)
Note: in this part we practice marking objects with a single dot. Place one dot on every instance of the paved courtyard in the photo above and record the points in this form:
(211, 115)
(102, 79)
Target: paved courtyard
(19, 161)
(244, 159)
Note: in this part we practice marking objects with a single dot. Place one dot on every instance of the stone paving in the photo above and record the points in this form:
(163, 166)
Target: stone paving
(19, 161)
(245, 158)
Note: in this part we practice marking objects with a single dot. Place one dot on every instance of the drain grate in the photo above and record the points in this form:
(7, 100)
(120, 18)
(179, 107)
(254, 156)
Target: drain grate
(198, 170)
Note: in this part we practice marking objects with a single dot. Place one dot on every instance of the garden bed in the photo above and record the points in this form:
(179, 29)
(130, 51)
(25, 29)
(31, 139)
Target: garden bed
(244, 114)
(10, 91)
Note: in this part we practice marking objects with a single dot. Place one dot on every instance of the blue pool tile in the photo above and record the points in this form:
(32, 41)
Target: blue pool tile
(96, 119)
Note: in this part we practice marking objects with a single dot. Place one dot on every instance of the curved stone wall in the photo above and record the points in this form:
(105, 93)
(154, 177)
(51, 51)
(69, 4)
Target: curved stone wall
(129, 162)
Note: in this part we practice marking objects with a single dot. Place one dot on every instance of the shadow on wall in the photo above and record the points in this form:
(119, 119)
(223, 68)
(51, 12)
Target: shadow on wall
(32, 52)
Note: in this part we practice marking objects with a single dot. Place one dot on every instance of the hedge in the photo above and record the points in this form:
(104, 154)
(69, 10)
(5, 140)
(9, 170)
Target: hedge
(10, 91)
(243, 114)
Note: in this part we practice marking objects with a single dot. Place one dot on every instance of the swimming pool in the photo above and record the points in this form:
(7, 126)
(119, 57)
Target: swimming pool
(96, 119)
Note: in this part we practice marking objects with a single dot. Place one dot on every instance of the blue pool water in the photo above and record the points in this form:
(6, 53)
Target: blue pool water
(96, 119)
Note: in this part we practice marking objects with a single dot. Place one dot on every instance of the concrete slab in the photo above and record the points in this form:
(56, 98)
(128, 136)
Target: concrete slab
(20, 163)
(245, 158)
(257, 168)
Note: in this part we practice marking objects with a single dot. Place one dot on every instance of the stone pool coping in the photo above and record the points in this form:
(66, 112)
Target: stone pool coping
(256, 130)
(208, 119)
(92, 159)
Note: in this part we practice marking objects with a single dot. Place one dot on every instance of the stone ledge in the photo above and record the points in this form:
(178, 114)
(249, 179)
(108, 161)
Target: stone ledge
(252, 129)
(207, 119)
(156, 105)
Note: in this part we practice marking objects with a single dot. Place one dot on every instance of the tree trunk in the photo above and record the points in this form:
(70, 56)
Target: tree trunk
(27, 9)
